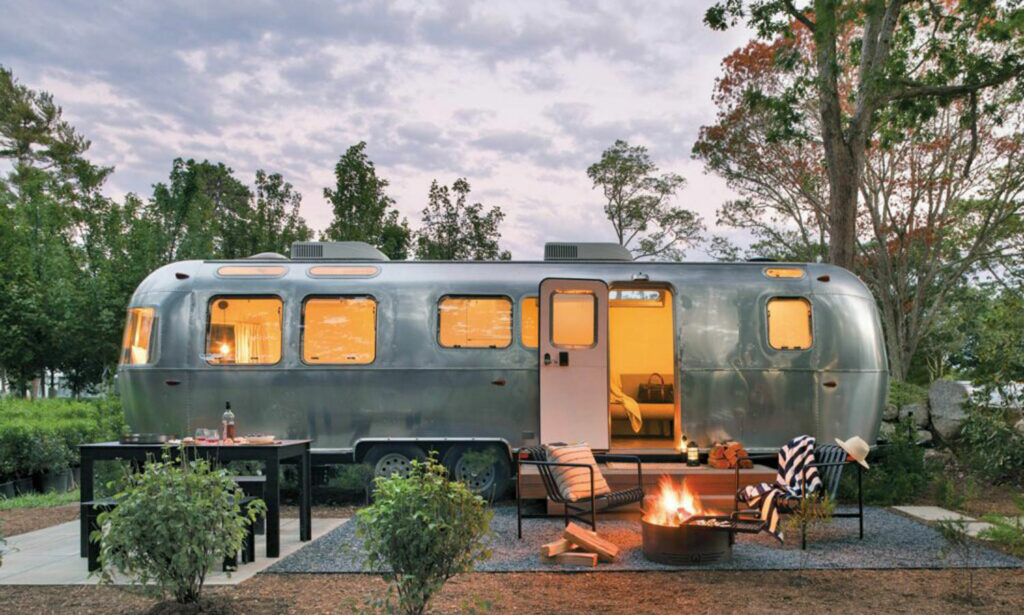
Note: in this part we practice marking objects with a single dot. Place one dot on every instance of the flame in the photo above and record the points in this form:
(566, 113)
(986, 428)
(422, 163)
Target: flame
(672, 505)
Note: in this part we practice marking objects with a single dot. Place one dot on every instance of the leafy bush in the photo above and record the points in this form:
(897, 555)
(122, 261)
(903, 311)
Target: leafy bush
(898, 472)
(354, 479)
(420, 531)
(904, 393)
(175, 520)
(1008, 531)
(989, 445)
(44, 434)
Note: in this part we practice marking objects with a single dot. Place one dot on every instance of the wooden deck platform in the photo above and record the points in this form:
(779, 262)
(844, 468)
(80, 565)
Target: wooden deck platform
(714, 487)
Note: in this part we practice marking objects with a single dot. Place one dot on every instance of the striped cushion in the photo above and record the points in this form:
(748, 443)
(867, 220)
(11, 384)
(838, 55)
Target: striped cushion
(574, 483)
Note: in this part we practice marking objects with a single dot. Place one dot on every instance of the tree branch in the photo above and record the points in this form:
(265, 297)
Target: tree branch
(792, 10)
(914, 91)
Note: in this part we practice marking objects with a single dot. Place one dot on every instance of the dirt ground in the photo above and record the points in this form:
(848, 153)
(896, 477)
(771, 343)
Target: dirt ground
(916, 591)
(21, 520)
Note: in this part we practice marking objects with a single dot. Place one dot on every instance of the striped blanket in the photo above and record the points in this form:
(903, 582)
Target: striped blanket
(796, 478)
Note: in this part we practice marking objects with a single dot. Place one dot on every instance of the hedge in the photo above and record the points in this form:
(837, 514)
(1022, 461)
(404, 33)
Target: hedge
(44, 434)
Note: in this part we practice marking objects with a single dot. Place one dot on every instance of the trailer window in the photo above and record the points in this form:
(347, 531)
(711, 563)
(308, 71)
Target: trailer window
(528, 323)
(339, 330)
(135, 344)
(244, 331)
(789, 323)
(573, 318)
(475, 322)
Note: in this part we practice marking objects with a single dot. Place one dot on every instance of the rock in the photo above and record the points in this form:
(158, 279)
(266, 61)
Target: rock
(891, 413)
(886, 430)
(1020, 426)
(923, 437)
(919, 412)
(946, 400)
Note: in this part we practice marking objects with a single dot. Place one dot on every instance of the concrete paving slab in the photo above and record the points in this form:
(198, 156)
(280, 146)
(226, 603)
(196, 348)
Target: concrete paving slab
(931, 513)
(976, 527)
(50, 556)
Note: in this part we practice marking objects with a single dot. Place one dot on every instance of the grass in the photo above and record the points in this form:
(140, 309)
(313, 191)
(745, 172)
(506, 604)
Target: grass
(39, 500)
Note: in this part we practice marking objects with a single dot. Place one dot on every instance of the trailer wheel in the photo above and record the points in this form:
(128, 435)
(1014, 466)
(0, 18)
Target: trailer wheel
(492, 480)
(388, 459)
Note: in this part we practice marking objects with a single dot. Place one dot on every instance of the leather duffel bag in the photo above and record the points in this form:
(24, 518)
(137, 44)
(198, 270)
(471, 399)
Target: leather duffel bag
(655, 392)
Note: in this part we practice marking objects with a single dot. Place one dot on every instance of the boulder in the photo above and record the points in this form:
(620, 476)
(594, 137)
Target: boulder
(947, 400)
(918, 412)
(923, 437)
(886, 430)
(1020, 426)
(891, 413)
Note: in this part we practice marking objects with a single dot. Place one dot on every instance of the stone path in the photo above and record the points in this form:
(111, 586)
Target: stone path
(50, 556)
(931, 514)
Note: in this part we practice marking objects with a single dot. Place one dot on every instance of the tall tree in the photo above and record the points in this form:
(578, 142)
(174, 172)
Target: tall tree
(924, 224)
(46, 184)
(455, 230)
(363, 211)
(905, 57)
(638, 203)
(273, 220)
(203, 212)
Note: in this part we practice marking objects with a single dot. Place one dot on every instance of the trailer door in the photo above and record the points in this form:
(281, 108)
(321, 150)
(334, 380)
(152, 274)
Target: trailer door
(573, 349)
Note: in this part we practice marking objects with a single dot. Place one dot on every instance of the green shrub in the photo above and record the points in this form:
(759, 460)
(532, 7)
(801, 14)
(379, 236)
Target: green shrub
(898, 472)
(989, 445)
(173, 522)
(1008, 531)
(904, 393)
(353, 480)
(43, 435)
(420, 531)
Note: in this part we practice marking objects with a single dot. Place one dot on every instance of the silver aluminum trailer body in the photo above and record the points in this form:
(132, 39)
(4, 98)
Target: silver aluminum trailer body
(730, 382)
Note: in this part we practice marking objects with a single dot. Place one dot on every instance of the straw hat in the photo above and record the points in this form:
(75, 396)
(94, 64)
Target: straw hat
(857, 448)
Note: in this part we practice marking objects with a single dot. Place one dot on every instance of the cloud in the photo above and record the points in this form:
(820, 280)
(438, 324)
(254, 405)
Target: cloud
(519, 98)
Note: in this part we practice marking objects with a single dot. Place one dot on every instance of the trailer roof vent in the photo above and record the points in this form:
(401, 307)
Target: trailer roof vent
(336, 250)
(586, 252)
(263, 256)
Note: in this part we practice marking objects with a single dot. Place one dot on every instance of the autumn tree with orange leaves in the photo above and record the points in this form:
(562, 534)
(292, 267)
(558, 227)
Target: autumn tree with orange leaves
(877, 65)
(940, 200)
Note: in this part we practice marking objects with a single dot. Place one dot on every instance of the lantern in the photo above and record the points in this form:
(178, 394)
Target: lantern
(692, 454)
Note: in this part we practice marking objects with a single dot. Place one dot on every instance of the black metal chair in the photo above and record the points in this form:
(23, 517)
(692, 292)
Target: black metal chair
(580, 509)
(830, 460)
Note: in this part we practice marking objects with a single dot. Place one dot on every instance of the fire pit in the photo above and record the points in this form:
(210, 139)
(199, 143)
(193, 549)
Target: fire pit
(676, 530)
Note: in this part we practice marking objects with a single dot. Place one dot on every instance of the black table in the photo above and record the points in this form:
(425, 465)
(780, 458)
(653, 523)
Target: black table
(271, 455)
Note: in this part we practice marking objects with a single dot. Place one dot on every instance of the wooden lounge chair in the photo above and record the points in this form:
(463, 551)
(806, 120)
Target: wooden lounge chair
(830, 461)
(585, 509)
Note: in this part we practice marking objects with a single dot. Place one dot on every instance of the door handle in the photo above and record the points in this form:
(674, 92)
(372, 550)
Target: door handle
(831, 384)
(172, 383)
(499, 382)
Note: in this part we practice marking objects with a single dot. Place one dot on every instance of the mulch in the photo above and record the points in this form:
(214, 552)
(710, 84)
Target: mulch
(860, 591)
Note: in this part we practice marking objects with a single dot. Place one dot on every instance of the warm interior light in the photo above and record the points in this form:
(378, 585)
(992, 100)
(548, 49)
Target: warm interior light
(248, 270)
(784, 272)
(225, 349)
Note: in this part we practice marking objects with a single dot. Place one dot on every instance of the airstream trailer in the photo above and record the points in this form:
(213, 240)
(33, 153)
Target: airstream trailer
(379, 360)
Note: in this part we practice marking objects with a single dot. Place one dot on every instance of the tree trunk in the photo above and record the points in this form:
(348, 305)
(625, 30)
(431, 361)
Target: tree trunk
(844, 171)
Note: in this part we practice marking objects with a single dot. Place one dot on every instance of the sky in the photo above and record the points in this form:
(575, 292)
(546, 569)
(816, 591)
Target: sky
(517, 97)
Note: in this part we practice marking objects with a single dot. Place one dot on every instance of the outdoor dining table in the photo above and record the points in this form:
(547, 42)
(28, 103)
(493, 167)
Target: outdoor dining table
(271, 455)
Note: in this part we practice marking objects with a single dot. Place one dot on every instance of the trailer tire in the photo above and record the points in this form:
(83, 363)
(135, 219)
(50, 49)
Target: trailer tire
(496, 480)
(388, 459)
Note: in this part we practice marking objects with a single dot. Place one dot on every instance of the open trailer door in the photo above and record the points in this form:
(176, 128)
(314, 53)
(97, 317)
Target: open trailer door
(573, 348)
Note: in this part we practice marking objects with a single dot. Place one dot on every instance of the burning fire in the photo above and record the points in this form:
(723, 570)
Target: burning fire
(672, 505)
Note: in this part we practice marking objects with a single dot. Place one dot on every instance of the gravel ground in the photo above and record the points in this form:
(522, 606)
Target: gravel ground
(890, 542)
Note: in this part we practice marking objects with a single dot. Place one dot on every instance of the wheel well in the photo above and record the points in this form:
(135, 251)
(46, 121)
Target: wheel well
(441, 446)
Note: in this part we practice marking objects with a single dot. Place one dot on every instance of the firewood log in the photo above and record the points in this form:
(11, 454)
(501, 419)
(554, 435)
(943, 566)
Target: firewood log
(591, 542)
